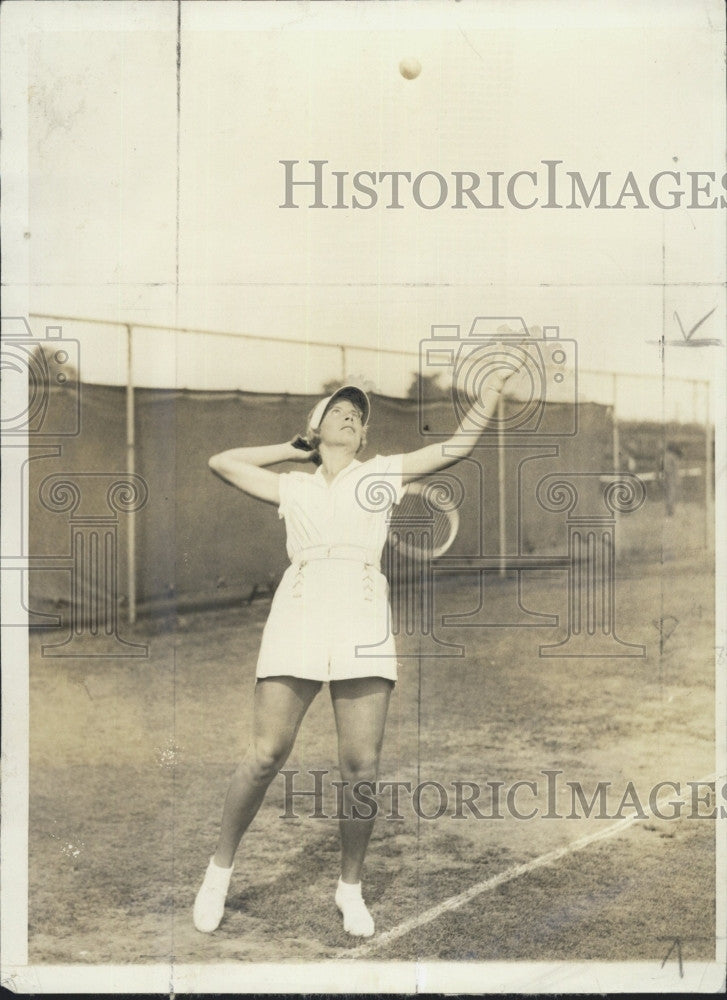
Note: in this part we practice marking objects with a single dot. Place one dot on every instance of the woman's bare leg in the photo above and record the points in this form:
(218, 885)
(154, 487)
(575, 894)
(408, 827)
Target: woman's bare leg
(279, 708)
(360, 707)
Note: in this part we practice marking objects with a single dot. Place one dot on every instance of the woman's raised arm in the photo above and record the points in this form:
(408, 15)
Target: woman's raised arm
(244, 468)
(431, 458)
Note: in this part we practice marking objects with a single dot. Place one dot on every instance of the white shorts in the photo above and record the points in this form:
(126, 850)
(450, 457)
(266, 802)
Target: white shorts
(329, 621)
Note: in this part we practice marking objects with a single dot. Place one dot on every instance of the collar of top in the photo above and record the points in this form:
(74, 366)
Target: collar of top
(352, 392)
(318, 474)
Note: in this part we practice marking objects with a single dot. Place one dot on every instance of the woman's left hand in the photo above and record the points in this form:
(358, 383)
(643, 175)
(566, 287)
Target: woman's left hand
(515, 364)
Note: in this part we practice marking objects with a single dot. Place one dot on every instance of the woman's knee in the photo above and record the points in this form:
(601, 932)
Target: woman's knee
(265, 759)
(359, 766)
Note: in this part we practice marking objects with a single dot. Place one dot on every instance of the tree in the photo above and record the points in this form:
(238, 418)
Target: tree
(426, 388)
(361, 381)
(51, 363)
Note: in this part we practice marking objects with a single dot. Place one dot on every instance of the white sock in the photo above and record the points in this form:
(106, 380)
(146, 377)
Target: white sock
(357, 921)
(217, 875)
(209, 906)
(349, 889)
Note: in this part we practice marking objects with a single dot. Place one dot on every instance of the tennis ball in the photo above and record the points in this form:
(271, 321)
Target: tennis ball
(410, 68)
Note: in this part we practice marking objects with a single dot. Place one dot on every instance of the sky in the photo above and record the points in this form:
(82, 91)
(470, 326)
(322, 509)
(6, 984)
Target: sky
(154, 196)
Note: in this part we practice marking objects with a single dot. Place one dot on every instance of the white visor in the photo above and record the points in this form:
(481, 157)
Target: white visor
(352, 392)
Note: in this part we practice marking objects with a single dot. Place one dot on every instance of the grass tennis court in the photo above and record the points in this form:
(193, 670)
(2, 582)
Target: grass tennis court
(130, 761)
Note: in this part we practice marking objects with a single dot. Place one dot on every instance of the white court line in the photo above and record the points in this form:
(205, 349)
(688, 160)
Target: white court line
(455, 902)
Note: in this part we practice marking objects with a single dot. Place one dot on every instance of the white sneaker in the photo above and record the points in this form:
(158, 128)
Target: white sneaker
(209, 906)
(357, 921)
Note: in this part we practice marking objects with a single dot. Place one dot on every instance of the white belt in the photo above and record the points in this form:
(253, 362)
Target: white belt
(352, 553)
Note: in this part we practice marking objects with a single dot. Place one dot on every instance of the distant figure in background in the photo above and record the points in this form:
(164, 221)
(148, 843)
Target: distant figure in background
(670, 470)
(627, 459)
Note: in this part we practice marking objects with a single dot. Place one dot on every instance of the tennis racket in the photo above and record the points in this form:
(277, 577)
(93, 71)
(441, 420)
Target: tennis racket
(420, 527)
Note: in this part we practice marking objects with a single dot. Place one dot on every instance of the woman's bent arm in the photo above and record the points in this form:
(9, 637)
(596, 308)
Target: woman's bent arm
(243, 468)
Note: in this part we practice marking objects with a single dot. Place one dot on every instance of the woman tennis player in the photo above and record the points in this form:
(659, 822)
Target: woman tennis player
(331, 599)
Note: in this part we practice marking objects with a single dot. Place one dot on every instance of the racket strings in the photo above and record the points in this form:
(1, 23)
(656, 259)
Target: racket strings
(420, 530)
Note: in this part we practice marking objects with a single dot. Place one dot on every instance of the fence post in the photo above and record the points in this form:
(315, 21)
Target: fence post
(130, 468)
(614, 421)
(707, 467)
(616, 440)
(501, 482)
